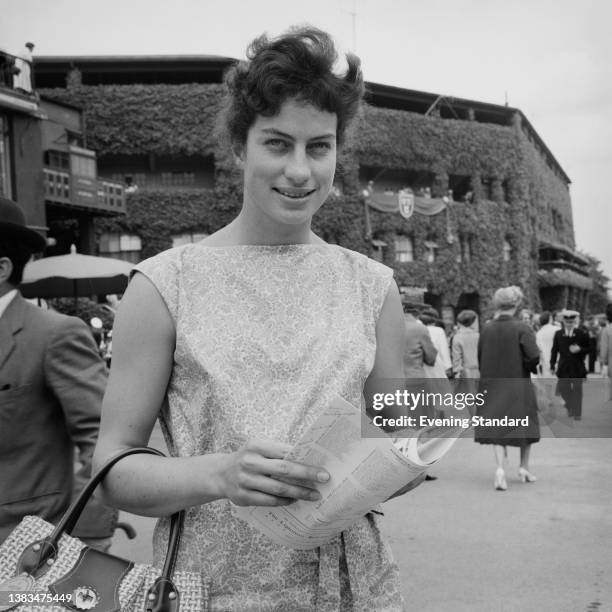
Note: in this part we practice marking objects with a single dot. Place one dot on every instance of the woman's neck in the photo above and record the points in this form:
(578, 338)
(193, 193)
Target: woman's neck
(243, 230)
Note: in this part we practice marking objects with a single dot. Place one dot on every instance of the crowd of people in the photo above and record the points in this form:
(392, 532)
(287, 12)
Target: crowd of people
(513, 345)
(235, 344)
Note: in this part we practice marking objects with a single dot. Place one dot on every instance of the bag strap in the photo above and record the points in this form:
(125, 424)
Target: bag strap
(72, 515)
(38, 556)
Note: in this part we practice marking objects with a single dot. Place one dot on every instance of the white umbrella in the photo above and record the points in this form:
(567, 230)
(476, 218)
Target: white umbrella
(74, 275)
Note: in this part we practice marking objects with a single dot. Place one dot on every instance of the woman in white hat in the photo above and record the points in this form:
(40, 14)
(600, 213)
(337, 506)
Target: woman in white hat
(507, 355)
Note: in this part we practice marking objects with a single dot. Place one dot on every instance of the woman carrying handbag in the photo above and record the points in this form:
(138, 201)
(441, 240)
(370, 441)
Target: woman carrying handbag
(237, 343)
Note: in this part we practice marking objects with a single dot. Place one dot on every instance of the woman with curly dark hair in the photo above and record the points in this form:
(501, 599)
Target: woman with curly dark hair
(238, 342)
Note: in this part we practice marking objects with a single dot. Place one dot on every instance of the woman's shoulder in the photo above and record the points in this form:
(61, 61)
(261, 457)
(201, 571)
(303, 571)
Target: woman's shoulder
(165, 270)
(164, 259)
(360, 260)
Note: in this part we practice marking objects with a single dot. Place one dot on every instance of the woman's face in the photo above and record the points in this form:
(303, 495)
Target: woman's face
(289, 162)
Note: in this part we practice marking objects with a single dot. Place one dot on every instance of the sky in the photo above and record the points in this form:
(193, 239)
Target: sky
(552, 59)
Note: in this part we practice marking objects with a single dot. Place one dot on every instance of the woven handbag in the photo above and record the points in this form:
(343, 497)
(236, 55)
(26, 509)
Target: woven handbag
(42, 567)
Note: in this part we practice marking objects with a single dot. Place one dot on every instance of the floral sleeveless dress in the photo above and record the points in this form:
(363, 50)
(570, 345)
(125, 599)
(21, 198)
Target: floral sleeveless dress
(265, 337)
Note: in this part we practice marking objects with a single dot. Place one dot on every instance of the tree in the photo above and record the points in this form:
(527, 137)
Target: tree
(598, 296)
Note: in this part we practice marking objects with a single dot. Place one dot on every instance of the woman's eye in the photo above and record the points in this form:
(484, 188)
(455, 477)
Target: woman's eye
(277, 144)
(320, 147)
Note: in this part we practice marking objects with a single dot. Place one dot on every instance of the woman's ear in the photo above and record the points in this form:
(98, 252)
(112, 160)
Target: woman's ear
(238, 155)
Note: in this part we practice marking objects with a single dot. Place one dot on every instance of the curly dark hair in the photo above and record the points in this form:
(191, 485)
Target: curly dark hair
(296, 65)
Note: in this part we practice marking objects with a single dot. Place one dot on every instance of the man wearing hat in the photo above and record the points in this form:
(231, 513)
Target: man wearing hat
(570, 346)
(51, 384)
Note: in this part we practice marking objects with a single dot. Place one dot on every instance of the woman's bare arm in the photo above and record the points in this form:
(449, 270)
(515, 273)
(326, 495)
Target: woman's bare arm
(143, 350)
(388, 369)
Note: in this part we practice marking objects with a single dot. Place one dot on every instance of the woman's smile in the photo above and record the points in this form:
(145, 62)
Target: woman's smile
(293, 193)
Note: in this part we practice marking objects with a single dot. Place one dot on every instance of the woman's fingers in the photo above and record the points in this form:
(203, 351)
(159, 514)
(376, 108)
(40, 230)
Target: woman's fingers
(279, 488)
(297, 472)
(271, 449)
(266, 457)
(258, 475)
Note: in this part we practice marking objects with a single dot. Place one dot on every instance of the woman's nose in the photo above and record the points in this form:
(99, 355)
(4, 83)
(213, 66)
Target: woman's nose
(297, 169)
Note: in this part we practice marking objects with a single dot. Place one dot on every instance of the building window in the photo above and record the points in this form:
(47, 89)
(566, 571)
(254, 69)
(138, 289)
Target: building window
(466, 251)
(431, 248)
(83, 166)
(58, 160)
(5, 159)
(404, 249)
(557, 220)
(461, 186)
(121, 246)
(160, 171)
(506, 190)
(488, 188)
(391, 180)
(187, 238)
(507, 251)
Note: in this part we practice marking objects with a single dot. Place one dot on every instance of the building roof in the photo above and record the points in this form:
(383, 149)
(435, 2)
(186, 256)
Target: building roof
(70, 105)
(51, 71)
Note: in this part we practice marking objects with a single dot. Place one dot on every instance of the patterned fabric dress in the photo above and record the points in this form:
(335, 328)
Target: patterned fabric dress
(266, 336)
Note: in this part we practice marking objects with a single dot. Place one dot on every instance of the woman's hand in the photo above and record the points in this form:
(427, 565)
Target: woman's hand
(257, 475)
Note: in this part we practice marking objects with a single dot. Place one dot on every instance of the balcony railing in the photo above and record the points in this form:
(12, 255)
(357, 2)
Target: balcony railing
(16, 73)
(102, 196)
(562, 264)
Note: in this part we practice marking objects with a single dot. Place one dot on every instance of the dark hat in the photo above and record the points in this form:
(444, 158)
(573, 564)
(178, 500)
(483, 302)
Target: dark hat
(466, 317)
(410, 304)
(431, 312)
(13, 224)
(569, 314)
(429, 315)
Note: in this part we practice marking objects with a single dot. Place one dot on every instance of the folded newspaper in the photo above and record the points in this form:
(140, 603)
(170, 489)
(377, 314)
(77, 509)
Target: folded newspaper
(365, 471)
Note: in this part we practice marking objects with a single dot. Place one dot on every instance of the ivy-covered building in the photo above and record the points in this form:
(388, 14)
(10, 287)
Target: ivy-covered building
(491, 203)
(44, 165)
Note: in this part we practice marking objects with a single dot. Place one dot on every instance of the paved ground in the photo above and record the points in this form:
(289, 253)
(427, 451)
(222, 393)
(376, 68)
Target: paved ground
(462, 546)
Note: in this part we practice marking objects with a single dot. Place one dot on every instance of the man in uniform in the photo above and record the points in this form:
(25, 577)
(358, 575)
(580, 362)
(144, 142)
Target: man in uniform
(570, 346)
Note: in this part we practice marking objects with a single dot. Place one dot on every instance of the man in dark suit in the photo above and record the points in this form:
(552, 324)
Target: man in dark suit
(51, 384)
(570, 346)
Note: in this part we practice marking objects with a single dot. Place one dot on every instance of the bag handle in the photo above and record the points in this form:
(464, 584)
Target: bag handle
(72, 515)
(39, 556)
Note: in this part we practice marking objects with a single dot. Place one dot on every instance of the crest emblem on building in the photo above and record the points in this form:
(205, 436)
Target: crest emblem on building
(406, 202)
